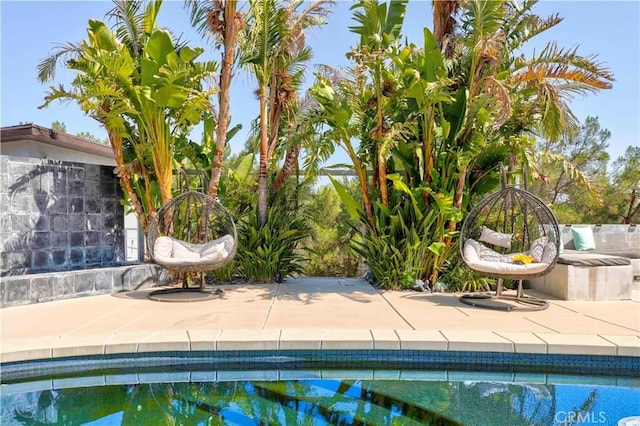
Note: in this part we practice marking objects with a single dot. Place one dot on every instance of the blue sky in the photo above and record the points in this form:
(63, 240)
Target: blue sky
(30, 29)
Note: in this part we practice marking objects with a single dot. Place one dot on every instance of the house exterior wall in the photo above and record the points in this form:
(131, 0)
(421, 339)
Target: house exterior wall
(58, 216)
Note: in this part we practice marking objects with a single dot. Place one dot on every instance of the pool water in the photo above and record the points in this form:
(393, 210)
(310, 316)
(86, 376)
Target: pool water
(462, 398)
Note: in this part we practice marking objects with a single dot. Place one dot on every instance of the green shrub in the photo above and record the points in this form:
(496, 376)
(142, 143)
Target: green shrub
(395, 249)
(460, 278)
(226, 274)
(328, 246)
(264, 251)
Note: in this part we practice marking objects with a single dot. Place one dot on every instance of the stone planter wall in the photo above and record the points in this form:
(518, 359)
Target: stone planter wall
(35, 288)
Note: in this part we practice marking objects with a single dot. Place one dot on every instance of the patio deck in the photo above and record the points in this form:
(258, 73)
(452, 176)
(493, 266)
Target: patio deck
(312, 313)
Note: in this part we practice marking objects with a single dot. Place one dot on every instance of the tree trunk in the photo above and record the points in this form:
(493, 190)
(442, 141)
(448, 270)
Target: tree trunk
(457, 203)
(164, 174)
(288, 167)
(382, 176)
(443, 22)
(230, 38)
(275, 112)
(264, 146)
(125, 178)
(364, 184)
(427, 150)
(633, 208)
(147, 194)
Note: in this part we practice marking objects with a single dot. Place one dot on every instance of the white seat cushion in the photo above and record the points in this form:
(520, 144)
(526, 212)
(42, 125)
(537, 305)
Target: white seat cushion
(473, 250)
(537, 248)
(506, 267)
(480, 258)
(549, 253)
(185, 251)
(170, 251)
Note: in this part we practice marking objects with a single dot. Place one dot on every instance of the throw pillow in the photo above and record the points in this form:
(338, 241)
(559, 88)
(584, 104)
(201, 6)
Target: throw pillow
(217, 250)
(488, 235)
(537, 248)
(475, 251)
(549, 254)
(583, 238)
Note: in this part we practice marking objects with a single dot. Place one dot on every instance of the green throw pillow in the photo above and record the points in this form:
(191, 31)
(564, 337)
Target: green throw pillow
(583, 238)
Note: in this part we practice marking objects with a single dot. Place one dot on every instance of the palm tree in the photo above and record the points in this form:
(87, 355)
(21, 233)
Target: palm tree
(337, 103)
(289, 70)
(265, 28)
(275, 51)
(542, 86)
(94, 81)
(300, 132)
(379, 29)
(222, 19)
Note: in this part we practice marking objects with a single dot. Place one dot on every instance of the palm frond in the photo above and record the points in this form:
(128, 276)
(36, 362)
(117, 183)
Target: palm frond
(555, 115)
(564, 64)
(262, 37)
(569, 169)
(207, 17)
(521, 24)
(313, 15)
(128, 23)
(150, 15)
(198, 12)
(481, 19)
(497, 91)
(47, 67)
(588, 81)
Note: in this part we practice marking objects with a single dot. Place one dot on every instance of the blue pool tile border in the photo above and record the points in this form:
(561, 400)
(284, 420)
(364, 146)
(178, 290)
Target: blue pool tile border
(426, 360)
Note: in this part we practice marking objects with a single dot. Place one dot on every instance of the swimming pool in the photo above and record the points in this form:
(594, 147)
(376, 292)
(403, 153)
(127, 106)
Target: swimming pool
(322, 387)
(324, 397)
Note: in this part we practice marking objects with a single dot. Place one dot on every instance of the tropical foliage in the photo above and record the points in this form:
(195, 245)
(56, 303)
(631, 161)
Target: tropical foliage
(268, 252)
(275, 51)
(614, 187)
(626, 185)
(425, 124)
(432, 127)
(147, 91)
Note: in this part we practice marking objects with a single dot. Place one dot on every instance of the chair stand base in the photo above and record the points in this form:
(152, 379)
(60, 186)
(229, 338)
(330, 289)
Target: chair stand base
(493, 301)
(189, 294)
(520, 302)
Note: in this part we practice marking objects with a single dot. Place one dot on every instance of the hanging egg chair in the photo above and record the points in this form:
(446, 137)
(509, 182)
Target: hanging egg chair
(192, 233)
(511, 234)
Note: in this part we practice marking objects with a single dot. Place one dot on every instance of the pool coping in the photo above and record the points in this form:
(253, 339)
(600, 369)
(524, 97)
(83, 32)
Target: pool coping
(319, 314)
(318, 339)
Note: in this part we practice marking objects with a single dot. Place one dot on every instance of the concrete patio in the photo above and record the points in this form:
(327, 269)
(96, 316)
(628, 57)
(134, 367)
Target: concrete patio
(312, 313)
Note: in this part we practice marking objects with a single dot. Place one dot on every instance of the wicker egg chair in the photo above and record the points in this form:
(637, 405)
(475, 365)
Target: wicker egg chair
(511, 234)
(192, 233)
